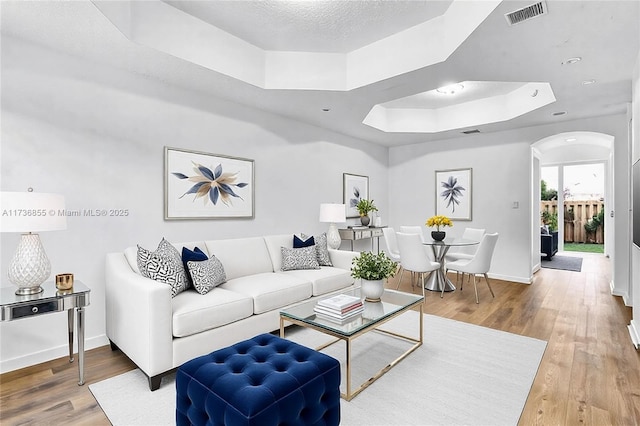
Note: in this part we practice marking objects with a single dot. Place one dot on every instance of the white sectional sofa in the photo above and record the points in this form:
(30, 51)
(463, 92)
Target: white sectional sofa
(159, 333)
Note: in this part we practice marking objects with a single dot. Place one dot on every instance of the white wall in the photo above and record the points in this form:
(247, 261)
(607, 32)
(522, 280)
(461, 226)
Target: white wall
(501, 164)
(634, 327)
(96, 136)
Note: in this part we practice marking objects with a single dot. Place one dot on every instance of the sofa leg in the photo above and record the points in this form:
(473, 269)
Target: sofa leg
(154, 382)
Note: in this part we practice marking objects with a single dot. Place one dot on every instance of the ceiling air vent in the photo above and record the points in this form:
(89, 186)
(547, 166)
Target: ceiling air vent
(469, 132)
(526, 13)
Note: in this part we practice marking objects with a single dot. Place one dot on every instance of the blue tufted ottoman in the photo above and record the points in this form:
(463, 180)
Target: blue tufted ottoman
(262, 381)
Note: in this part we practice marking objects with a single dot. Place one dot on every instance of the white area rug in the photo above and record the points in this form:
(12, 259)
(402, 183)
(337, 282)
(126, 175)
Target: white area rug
(463, 374)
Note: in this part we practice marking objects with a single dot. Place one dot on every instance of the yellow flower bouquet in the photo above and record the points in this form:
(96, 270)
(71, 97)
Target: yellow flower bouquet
(439, 221)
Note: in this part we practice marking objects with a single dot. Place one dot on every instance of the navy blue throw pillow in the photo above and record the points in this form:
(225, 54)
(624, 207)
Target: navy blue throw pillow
(196, 255)
(300, 243)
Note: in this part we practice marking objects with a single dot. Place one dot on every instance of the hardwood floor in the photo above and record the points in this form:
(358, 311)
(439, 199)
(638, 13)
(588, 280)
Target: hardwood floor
(590, 372)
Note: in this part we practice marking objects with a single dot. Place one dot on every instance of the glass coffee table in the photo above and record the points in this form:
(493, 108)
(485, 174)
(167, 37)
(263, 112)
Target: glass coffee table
(393, 303)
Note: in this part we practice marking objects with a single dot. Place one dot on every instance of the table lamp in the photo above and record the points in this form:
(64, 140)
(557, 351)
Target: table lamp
(30, 213)
(332, 214)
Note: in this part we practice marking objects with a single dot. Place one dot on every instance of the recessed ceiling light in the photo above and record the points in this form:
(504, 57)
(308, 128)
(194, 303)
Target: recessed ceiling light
(560, 113)
(572, 60)
(451, 89)
(588, 82)
(326, 109)
(571, 139)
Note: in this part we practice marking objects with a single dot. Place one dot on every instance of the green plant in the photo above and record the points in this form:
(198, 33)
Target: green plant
(550, 219)
(547, 194)
(365, 206)
(595, 222)
(369, 266)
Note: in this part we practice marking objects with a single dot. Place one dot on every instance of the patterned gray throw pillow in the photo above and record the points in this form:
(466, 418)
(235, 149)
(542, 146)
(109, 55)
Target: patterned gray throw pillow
(299, 258)
(207, 274)
(322, 250)
(164, 265)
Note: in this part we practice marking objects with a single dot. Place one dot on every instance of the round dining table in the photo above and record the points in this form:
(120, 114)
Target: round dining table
(438, 279)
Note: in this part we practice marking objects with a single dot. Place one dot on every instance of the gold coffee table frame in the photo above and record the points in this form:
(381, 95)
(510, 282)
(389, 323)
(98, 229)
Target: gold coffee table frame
(347, 337)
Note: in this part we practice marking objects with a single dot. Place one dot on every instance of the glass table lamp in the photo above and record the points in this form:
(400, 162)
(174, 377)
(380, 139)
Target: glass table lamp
(29, 213)
(332, 214)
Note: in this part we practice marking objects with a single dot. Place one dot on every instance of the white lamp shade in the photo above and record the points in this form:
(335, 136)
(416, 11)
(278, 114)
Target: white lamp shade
(332, 213)
(31, 212)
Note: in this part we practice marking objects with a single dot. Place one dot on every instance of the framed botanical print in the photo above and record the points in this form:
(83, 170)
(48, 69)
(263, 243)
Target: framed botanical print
(354, 189)
(199, 185)
(453, 193)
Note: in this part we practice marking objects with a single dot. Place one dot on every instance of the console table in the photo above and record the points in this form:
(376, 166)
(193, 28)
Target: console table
(354, 234)
(14, 307)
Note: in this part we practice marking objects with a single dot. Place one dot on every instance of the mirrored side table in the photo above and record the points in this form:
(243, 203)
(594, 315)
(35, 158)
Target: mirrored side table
(14, 307)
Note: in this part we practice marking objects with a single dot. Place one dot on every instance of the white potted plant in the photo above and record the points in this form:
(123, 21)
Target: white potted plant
(373, 269)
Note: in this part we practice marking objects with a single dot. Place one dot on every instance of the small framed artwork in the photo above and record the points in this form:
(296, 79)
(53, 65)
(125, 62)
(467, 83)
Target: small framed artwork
(199, 185)
(354, 189)
(453, 193)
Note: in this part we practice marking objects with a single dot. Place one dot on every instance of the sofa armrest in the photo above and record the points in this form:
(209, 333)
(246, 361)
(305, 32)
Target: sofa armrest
(139, 316)
(342, 258)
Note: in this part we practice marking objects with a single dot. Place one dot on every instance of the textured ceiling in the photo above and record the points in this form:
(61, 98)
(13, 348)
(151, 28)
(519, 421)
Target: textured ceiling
(313, 26)
(606, 34)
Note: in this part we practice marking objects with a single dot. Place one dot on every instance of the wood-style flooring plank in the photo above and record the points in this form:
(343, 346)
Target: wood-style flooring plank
(589, 374)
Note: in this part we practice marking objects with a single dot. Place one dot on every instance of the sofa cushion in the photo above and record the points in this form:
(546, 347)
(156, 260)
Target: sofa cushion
(274, 244)
(325, 279)
(270, 291)
(206, 274)
(194, 313)
(242, 256)
(299, 258)
(164, 265)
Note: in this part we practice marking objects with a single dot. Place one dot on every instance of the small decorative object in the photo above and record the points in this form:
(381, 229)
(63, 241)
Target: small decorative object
(373, 269)
(354, 188)
(199, 185)
(453, 193)
(332, 214)
(438, 221)
(28, 213)
(364, 207)
(64, 281)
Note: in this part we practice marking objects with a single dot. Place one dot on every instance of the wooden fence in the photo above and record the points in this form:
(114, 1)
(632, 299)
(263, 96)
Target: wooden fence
(576, 214)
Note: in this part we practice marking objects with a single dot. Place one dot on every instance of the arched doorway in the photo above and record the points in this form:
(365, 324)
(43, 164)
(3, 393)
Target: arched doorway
(563, 150)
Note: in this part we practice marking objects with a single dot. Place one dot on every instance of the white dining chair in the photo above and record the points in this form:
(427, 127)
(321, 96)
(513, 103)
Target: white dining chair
(412, 230)
(392, 246)
(465, 252)
(480, 263)
(413, 258)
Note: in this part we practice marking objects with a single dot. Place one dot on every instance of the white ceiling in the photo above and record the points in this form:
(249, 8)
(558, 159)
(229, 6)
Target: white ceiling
(606, 34)
(312, 26)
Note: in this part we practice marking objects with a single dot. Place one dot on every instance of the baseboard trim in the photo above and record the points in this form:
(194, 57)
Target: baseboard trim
(520, 280)
(634, 334)
(28, 360)
(623, 294)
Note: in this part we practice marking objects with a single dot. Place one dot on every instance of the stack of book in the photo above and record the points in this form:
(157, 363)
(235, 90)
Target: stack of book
(339, 309)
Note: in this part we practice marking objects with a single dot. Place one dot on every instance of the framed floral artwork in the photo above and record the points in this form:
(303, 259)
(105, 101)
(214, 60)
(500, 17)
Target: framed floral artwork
(354, 189)
(453, 193)
(199, 185)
